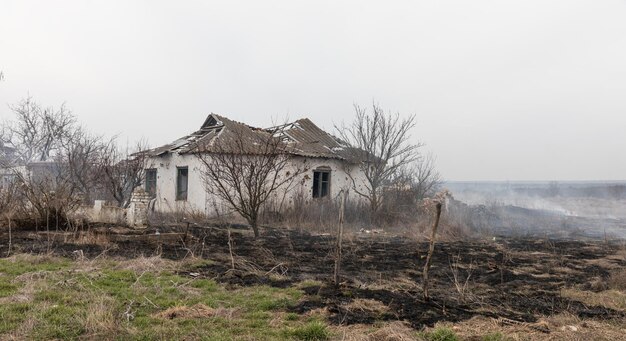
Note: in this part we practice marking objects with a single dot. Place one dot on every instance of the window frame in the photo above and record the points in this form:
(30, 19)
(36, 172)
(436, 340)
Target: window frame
(320, 183)
(147, 182)
(182, 196)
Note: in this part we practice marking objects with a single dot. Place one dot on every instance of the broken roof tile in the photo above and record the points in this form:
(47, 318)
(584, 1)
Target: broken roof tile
(302, 138)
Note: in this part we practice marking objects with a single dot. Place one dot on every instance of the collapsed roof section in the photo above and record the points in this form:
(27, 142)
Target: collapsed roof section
(302, 138)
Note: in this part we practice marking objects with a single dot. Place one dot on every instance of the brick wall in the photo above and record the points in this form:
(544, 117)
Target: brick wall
(138, 209)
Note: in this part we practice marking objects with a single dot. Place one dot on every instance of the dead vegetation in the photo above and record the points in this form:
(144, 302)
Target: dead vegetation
(522, 288)
(196, 311)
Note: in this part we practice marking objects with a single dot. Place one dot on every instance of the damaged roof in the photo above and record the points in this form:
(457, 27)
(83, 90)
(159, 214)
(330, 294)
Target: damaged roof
(302, 138)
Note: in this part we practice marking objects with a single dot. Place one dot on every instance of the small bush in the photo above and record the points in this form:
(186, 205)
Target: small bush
(442, 334)
(312, 331)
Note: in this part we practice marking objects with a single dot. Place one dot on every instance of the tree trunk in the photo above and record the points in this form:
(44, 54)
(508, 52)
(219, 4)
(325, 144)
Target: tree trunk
(431, 250)
(373, 209)
(230, 250)
(255, 228)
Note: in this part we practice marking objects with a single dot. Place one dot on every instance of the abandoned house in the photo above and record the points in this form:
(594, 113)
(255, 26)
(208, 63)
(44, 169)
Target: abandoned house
(174, 172)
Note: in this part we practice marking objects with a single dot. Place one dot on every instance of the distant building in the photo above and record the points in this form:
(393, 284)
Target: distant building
(174, 173)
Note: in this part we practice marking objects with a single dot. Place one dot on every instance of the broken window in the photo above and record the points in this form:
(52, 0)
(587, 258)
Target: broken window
(182, 181)
(321, 183)
(151, 181)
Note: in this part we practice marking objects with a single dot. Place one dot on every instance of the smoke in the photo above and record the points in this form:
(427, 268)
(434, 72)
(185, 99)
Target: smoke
(573, 209)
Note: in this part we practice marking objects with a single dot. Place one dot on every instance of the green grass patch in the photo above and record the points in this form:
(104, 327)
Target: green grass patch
(12, 315)
(292, 317)
(312, 331)
(21, 264)
(104, 299)
(441, 334)
(59, 322)
(6, 287)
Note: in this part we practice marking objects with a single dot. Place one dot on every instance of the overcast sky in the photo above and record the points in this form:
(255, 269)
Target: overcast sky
(502, 90)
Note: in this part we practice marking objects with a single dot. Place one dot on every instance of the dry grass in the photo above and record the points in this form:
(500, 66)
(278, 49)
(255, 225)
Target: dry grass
(399, 283)
(142, 264)
(91, 238)
(34, 259)
(560, 327)
(617, 280)
(100, 318)
(570, 327)
(196, 311)
(611, 299)
(393, 331)
(366, 306)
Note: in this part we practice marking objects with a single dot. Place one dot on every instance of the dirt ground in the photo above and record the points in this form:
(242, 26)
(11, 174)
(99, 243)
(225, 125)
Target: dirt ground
(509, 280)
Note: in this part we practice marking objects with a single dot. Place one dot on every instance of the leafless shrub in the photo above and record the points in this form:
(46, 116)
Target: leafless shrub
(319, 215)
(122, 170)
(181, 216)
(57, 165)
(461, 281)
(245, 167)
(385, 143)
(9, 206)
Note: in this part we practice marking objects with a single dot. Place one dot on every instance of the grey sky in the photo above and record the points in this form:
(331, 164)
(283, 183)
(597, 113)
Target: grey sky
(503, 90)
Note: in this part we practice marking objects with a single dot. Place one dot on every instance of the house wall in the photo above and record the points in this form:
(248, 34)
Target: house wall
(341, 175)
(198, 200)
(166, 167)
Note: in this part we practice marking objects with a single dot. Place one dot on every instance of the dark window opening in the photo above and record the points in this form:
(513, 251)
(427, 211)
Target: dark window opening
(182, 181)
(321, 184)
(151, 181)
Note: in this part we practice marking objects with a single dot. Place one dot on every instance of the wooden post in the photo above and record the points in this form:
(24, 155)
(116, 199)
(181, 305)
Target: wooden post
(342, 194)
(431, 250)
(230, 250)
(10, 239)
(187, 232)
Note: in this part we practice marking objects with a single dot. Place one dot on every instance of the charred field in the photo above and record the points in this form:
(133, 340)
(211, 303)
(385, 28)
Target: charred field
(510, 285)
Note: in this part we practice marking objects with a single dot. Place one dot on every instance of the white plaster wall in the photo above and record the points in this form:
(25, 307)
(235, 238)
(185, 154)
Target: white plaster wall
(198, 200)
(341, 175)
(166, 167)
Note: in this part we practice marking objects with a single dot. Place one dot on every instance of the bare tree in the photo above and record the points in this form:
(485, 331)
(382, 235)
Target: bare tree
(55, 160)
(385, 142)
(420, 178)
(427, 177)
(245, 167)
(38, 133)
(122, 170)
(82, 156)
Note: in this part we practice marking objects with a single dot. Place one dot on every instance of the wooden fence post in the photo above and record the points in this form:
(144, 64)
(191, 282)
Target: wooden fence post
(342, 194)
(431, 250)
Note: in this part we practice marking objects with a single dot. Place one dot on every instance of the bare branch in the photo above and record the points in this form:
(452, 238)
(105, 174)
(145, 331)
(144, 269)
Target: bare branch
(245, 167)
(386, 143)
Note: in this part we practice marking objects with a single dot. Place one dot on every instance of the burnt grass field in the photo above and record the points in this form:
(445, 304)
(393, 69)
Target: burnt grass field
(516, 280)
